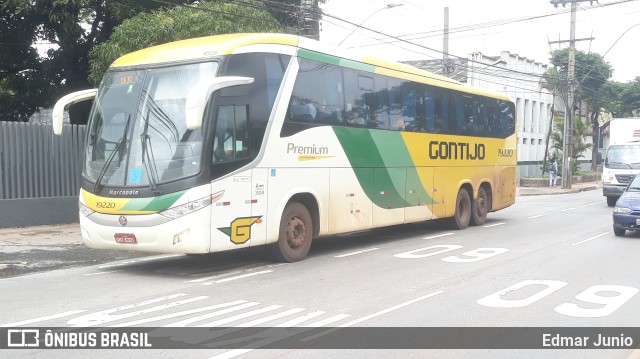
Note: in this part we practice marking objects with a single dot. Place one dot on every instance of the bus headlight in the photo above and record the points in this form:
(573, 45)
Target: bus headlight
(84, 210)
(183, 210)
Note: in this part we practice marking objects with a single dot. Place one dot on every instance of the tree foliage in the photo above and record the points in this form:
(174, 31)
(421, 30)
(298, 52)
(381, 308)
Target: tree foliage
(148, 29)
(590, 77)
(622, 99)
(74, 27)
(579, 143)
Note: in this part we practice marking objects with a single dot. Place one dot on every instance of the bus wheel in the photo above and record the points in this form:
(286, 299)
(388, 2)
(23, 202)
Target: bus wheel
(296, 233)
(479, 208)
(463, 210)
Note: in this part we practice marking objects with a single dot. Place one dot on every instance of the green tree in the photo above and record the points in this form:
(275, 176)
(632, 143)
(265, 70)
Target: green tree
(579, 146)
(591, 75)
(73, 27)
(161, 26)
(622, 99)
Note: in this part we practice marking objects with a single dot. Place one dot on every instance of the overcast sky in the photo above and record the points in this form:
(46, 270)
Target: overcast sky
(488, 26)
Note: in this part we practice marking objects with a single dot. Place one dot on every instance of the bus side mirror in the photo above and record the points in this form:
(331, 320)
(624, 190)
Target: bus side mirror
(199, 95)
(67, 100)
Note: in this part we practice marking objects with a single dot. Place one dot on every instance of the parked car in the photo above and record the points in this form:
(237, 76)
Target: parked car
(626, 213)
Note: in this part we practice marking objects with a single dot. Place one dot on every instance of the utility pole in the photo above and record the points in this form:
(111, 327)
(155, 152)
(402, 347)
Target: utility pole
(447, 65)
(567, 170)
(309, 19)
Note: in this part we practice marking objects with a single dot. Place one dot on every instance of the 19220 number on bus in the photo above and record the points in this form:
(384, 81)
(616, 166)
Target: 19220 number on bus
(105, 204)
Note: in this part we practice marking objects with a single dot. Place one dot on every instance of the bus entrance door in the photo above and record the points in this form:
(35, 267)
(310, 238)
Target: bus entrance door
(231, 215)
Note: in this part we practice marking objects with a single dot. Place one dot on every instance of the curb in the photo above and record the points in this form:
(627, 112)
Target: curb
(544, 193)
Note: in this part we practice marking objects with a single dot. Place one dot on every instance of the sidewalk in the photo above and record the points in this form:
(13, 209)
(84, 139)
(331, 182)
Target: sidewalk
(38, 236)
(575, 188)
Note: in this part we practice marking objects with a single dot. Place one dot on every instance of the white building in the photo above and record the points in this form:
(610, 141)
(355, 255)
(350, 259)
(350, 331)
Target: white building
(519, 77)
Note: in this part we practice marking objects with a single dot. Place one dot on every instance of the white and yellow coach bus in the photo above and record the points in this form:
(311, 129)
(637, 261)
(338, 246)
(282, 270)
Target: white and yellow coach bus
(240, 140)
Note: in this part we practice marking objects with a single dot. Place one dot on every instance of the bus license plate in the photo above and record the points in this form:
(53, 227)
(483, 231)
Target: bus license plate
(125, 238)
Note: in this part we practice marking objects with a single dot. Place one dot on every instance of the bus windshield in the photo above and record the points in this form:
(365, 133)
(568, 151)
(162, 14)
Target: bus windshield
(138, 135)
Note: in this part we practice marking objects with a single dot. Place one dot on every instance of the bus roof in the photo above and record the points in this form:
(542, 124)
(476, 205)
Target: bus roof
(218, 45)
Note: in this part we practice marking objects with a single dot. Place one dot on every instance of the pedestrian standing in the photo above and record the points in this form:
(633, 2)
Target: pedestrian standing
(553, 171)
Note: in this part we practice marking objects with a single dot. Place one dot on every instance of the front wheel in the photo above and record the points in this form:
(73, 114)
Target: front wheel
(296, 233)
(619, 232)
(462, 216)
(479, 208)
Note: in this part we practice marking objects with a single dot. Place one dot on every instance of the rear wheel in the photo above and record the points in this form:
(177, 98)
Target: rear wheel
(479, 208)
(462, 216)
(296, 233)
(619, 231)
(611, 201)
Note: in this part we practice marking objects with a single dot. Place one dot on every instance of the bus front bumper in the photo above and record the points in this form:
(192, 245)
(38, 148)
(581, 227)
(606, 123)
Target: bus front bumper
(148, 233)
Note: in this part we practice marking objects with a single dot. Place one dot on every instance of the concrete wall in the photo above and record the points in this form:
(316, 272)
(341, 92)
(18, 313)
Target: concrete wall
(38, 211)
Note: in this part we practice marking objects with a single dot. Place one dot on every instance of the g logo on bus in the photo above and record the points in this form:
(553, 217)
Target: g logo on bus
(240, 230)
(122, 220)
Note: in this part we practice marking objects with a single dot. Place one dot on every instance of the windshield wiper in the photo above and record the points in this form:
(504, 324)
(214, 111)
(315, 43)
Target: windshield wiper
(118, 149)
(147, 156)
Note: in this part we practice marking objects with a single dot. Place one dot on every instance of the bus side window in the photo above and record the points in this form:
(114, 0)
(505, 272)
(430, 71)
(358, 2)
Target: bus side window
(507, 120)
(230, 140)
(317, 94)
(433, 122)
(356, 87)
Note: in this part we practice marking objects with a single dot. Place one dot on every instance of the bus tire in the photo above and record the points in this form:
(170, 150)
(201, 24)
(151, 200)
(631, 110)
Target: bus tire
(462, 216)
(296, 234)
(611, 201)
(480, 208)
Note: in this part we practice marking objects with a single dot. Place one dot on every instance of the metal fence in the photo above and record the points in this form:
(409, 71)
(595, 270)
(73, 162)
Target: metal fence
(36, 163)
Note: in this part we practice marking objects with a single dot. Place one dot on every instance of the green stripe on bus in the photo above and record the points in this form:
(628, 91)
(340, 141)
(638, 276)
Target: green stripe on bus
(334, 60)
(156, 204)
(393, 171)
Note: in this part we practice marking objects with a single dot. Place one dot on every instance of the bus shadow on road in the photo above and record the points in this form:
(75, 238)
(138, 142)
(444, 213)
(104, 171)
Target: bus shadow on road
(255, 259)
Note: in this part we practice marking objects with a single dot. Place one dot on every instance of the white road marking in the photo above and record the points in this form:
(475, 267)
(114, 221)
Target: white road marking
(493, 225)
(240, 316)
(236, 352)
(179, 314)
(271, 317)
(120, 264)
(567, 209)
(593, 204)
(587, 240)
(439, 235)
(183, 323)
(365, 318)
(238, 277)
(354, 253)
(42, 319)
(123, 312)
(160, 257)
(99, 273)
(298, 320)
(536, 216)
(204, 279)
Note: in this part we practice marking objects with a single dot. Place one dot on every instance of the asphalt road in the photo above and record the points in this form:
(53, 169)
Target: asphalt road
(548, 261)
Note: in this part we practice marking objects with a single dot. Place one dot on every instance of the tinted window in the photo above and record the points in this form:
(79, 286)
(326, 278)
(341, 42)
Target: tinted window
(317, 94)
